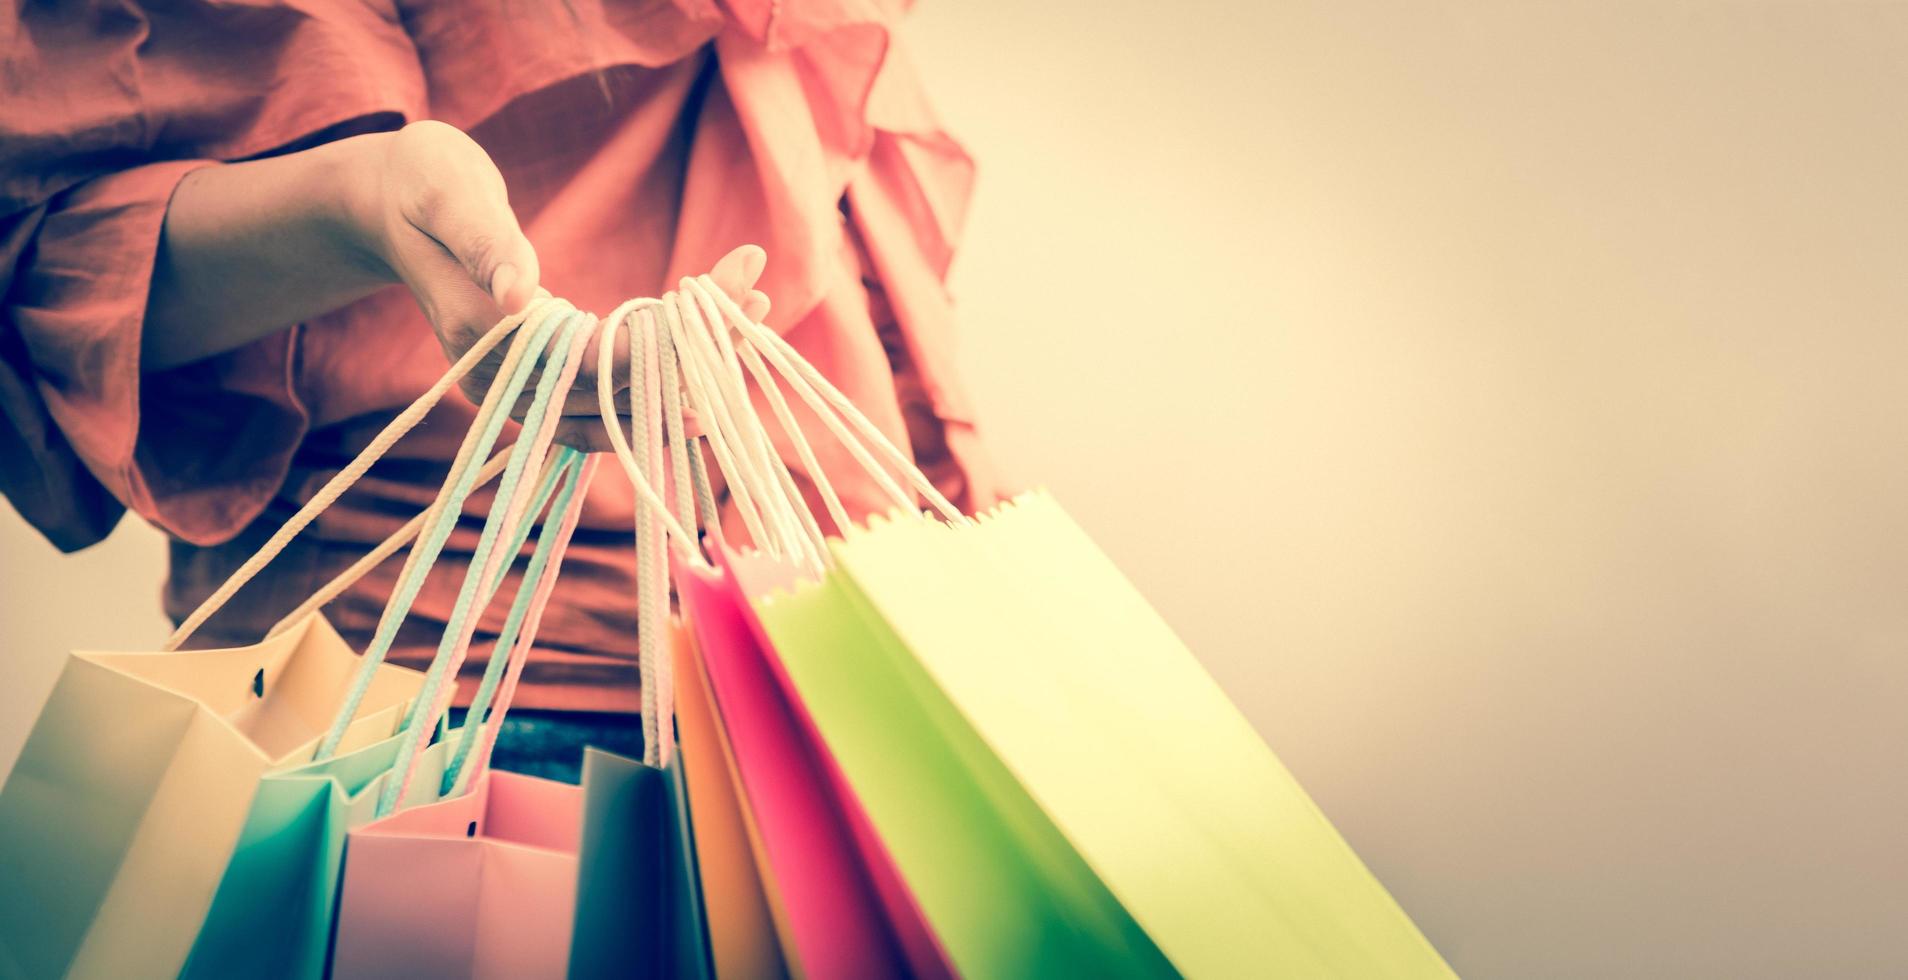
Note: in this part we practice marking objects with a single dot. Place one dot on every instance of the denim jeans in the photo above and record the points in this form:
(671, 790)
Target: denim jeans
(550, 743)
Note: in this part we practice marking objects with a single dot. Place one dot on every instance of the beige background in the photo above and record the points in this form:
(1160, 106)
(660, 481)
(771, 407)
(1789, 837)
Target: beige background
(1504, 398)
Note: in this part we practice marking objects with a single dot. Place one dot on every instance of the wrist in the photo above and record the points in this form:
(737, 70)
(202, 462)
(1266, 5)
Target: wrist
(248, 248)
(349, 202)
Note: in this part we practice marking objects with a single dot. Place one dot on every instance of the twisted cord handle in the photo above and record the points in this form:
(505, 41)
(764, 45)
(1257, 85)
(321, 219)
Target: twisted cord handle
(342, 481)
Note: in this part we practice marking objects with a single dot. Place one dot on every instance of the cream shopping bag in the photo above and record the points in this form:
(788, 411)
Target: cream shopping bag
(124, 809)
(118, 819)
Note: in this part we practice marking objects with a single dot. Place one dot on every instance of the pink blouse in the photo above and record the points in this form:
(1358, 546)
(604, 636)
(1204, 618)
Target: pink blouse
(640, 139)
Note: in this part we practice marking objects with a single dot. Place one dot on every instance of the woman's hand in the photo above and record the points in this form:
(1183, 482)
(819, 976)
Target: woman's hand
(431, 208)
(443, 224)
(252, 247)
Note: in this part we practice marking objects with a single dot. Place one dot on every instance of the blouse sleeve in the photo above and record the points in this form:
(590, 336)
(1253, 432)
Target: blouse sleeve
(103, 108)
(198, 450)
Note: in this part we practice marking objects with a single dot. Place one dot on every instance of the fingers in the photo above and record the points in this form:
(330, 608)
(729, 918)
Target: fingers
(578, 402)
(734, 266)
(458, 234)
(737, 274)
(588, 434)
(756, 305)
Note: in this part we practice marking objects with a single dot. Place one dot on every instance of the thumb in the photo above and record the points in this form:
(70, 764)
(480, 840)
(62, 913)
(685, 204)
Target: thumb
(738, 271)
(459, 200)
(482, 234)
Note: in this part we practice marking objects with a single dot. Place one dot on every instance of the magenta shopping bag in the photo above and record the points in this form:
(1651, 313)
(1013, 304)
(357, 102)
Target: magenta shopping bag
(839, 906)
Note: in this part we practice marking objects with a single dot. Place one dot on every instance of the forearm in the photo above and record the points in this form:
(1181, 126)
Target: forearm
(250, 248)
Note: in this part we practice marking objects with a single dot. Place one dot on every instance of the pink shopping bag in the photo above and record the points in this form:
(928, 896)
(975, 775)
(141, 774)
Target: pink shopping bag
(479, 885)
(483, 882)
(839, 905)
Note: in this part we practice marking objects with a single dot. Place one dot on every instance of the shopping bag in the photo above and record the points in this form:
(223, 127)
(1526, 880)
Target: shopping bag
(273, 910)
(272, 913)
(481, 883)
(638, 900)
(1024, 643)
(477, 885)
(741, 929)
(133, 788)
(1018, 724)
(1002, 889)
(839, 907)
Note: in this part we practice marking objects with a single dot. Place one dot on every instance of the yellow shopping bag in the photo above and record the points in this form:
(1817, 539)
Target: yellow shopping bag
(1133, 752)
(1062, 786)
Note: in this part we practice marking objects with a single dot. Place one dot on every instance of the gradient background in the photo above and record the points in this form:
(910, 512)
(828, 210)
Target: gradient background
(1507, 401)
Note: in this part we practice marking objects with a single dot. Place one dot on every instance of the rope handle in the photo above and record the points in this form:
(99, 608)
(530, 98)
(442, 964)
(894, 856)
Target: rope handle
(800, 536)
(740, 448)
(644, 470)
(760, 484)
(715, 380)
(344, 478)
(619, 443)
(499, 686)
(444, 513)
(486, 562)
(344, 580)
(555, 477)
(733, 431)
(700, 313)
(663, 361)
(826, 400)
(652, 571)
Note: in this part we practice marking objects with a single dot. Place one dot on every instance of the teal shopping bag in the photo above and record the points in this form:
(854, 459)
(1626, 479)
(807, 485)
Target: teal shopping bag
(273, 910)
(638, 898)
(271, 915)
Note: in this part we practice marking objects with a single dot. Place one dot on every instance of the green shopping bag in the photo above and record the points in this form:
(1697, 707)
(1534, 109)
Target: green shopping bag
(1005, 893)
(1033, 650)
